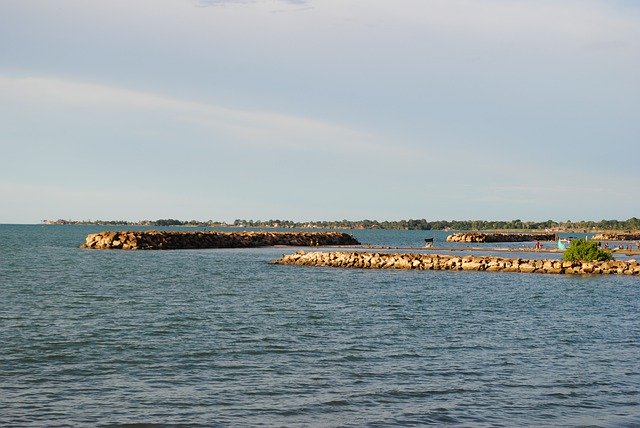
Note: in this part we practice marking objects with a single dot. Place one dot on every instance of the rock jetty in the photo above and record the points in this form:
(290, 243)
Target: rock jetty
(617, 236)
(368, 260)
(500, 237)
(174, 240)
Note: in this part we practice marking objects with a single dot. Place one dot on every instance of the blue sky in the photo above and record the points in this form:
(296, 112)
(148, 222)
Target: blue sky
(319, 109)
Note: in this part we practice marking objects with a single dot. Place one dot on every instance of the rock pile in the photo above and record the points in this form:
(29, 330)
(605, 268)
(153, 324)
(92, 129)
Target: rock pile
(617, 236)
(173, 240)
(367, 260)
(500, 237)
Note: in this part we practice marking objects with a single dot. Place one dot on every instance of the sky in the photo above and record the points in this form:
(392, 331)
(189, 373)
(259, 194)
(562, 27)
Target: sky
(319, 109)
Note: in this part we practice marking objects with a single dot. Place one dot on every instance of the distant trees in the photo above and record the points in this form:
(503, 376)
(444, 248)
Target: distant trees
(168, 222)
(633, 224)
(423, 224)
(412, 224)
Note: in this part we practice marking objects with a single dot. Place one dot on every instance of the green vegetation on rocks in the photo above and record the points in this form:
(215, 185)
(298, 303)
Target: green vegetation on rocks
(582, 250)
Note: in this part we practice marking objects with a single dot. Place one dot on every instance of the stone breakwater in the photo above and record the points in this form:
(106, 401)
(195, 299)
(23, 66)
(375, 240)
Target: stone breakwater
(617, 237)
(173, 240)
(367, 260)
(500, 237)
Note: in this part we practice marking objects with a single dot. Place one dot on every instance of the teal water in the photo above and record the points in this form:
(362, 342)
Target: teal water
(222, 337)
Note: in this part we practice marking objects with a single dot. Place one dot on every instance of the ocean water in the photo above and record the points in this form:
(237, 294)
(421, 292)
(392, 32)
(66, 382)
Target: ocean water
(224, 338)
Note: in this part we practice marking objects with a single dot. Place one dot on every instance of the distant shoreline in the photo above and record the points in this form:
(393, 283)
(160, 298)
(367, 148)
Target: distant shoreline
(632, 224)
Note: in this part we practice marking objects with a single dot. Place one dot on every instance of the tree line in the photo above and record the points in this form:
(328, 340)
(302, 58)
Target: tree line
(423, 224)
(411, 224)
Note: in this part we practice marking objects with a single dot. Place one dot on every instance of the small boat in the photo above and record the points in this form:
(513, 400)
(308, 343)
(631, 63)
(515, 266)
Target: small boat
(428, 242)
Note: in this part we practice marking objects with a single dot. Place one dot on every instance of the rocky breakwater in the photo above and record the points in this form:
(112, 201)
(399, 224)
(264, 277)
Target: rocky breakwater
(500, 237)
(174, 240)
(368, 260)
(617, 236)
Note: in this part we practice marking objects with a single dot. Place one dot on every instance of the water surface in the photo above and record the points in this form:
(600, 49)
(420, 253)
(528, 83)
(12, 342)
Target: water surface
(222, 337)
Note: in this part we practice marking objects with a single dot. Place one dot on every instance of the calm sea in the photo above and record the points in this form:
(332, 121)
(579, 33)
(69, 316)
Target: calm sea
(223, 338)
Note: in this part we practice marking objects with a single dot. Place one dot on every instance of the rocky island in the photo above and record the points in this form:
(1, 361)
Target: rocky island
(367, 260)
(500, 237)
(174, 240)
(617, 236)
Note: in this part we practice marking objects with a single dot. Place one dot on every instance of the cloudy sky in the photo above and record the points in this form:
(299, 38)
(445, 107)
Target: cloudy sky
(319, 109)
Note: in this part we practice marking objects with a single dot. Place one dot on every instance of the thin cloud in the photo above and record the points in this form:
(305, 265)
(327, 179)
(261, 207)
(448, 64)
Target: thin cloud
(251, 128)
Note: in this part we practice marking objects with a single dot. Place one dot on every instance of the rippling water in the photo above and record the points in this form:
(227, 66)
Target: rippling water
(222, 337)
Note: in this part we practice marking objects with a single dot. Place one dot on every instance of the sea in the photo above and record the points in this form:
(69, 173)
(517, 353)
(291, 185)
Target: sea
(222, 337)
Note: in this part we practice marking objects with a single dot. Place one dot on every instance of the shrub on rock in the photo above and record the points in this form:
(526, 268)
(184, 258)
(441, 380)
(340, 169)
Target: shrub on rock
(582, 250)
